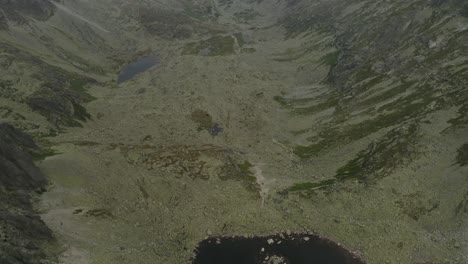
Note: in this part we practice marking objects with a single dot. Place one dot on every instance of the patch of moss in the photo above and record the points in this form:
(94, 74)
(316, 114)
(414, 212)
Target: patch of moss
(226, 3)
(84, 143)
(462, 207)
(330, 59)
(245, 168)
(464, 11)
(462, 117)
(380, 158)
(6, 84)
(311, 185)
(462, 155)
(78, 84)
(302, 106)
(364, 73)
(203, 119)
(215, 46)
(59, 77)
(248, 50)
(242, 171)
(305, 152)
(412, 106)
(291, 55)
(101, 213)
(42, 155)
(282, 101)
(371, 82)
(415, 206)
(80, 113)
(240, 39)
(5, 111)
(329, 103)
(388, 94)
(81, 63)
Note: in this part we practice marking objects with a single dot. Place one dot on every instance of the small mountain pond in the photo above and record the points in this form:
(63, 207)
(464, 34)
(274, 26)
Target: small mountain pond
(131, 70)
(275, 249)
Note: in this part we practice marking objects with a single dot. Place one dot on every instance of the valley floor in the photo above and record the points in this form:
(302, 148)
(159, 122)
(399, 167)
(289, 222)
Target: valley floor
(148, 178)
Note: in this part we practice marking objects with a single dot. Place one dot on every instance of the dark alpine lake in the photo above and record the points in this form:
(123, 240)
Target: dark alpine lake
(276, 249)
(131, 70)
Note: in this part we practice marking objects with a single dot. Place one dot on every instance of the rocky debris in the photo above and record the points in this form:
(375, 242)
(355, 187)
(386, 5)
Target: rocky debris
(416, 205)
(274, 260)
(22, 232)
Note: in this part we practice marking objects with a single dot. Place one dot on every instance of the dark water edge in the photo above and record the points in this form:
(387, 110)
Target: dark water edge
(129, 71)
(277, 249)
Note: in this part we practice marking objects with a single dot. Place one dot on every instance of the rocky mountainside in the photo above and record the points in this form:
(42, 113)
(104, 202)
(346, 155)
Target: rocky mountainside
(240, 117)
(22, 232)
(22, 11)
(417, 49)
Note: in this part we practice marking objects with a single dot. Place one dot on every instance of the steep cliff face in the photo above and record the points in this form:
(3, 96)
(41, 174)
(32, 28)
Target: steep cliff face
(18, 170)
(41, 97)
(22, 233)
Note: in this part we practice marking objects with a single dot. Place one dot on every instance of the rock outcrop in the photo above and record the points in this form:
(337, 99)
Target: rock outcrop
(21, 11)
(22, 232)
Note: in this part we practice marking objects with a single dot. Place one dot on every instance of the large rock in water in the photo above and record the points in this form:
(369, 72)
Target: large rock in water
(22, 232)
